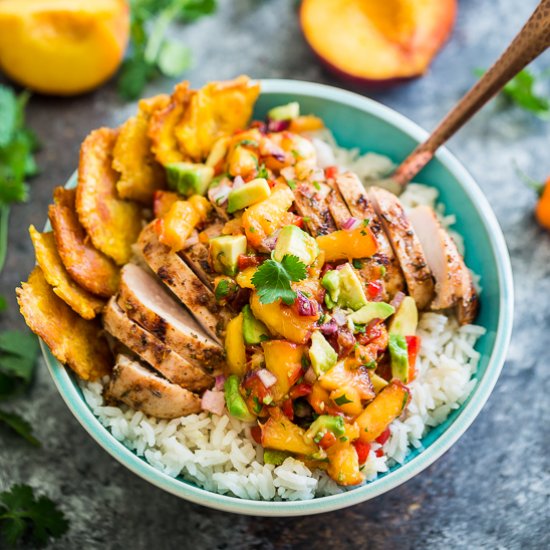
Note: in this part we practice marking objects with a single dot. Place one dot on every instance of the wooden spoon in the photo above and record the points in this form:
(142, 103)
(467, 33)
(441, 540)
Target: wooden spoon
(531, 41)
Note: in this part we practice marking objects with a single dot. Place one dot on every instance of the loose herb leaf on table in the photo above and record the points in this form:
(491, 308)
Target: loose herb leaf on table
(24, 516)
(19, 425)
(151, 54)
(272, 279)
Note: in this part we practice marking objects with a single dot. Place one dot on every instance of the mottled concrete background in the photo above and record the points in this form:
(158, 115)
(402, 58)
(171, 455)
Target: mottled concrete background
(491, 490)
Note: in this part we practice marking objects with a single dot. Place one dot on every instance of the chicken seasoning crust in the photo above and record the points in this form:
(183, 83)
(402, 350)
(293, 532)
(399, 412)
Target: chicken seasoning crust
(248, 276)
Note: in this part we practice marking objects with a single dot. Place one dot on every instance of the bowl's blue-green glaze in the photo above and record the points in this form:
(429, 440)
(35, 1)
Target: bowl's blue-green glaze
(360, 122)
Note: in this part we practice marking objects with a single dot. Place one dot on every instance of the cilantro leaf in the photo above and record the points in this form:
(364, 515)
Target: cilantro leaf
(8, 115)
(342, 400)
(18, 352)
(174, 58)
(23, 515)
(272, 279)
(19, 425)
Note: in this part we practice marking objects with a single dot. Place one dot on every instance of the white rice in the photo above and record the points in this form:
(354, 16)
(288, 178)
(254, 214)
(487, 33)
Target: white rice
(219, 454)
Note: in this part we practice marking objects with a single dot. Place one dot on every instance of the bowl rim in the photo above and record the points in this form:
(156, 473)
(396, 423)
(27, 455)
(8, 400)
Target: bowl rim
(77, 405)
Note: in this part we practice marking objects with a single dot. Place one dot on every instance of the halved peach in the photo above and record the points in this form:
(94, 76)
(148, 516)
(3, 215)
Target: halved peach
(377, 42)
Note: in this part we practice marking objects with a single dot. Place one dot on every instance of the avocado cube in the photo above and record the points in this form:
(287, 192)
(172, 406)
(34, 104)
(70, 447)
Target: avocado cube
(405, 320)
(285, 112)
(399, 357)
(292, 240)
(234, 401)
(250, 193)
(225, 252)
(254, 331)
(272, 456)
(323, 424)
(189, 179)
(373, 310)
(344, 288)
(321, 354)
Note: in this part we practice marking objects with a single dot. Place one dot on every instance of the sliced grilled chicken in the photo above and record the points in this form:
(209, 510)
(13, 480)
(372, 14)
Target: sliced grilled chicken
(142, 390)
(197, 256)
(454, 285)
(163, 359)
(406, 246)
(311, 203)
(181, 280)
(148, 303)
(360, 207)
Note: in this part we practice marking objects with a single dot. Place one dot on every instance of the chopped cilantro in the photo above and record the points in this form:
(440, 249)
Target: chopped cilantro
(317, 185)
(357, 264)
(382, 270)
(295, 153)
(291, 184)
(342, 400)
(224, 288)
(272, 279)
(262, 172)
(370, 365)
(366, 222)
(248, 143)
(252, 229)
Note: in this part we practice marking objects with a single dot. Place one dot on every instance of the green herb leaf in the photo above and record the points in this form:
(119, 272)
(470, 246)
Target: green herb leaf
(224, 288)
(174, 58)
(24, 515)
(262, 172)
(3, 303)
(272, 279)
(19, 425)
(8, 115)
(18, 352)
(342, 400)
(191, 10)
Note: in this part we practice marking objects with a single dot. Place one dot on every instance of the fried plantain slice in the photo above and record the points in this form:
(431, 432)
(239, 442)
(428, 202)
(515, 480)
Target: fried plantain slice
(188, 127)
(216, 110)
(163, 123)
(71, 339)
(81, 301)
(89, 267)
(140, 174)
(113, 224)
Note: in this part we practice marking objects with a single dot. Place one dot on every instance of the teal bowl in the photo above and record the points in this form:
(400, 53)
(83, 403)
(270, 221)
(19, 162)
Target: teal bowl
(360, 122)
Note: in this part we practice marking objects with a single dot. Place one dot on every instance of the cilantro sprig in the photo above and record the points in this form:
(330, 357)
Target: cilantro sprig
(272, 279)
(23, 516)
(151, 54)
(522, 91)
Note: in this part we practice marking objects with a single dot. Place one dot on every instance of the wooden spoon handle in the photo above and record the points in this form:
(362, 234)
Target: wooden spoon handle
(531, 41)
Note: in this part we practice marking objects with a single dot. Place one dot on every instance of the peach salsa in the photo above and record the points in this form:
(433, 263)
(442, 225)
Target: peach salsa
(244, 306)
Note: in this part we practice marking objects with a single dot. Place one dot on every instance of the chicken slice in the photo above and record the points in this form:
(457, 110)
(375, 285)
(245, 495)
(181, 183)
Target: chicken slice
(355, 197)
(163, 359)
(311, 203)
(142, 390)
(454, 284)
(406, 246)
(147, 302)
(181, 280)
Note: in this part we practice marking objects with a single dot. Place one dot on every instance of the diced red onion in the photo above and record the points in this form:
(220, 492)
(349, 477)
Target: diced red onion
(213, 401)
(267, 378)
(268, 148)
(238, 182)
(278, 125)
(339, 317)
(329, 328)
(397, 299)
(218, 195)
(305, 307)
(351, 223)
(220, 381)
(193, 239)
(269, 242)
(310, 377)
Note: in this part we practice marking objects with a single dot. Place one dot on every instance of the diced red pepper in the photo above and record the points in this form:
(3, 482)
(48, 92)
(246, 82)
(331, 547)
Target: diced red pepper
(331, 172)
(248, 260)
(379, 452)
(328, 440)
(300, 390)
(288, 409)
(384, 436)
(256, 433)
(363, 450)
(413, 347)
(374, 290)
(298, 221)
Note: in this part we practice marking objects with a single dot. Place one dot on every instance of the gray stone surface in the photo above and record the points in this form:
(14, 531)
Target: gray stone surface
(491, 490)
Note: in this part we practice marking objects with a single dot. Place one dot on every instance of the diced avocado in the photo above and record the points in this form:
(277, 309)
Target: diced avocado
(189, 179)
(321, 354)
(373, 310)
(254, 331)
(250, 193)
(275, 457)
(292, 240)
(345, 288)
(323, 424)
(225, 252)
(399, 357)
(234, 401)
(285, 112)
(405, 320)
(378, 383)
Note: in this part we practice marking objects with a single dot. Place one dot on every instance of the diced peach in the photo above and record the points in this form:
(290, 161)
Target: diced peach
(306, 123)
(347, 400)
(343, 465)
(283, 435)
(382, 411)
(283, 321)
(348, 245)
(341, 375)
(235, 349)
(284, 360)
(162, 202)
